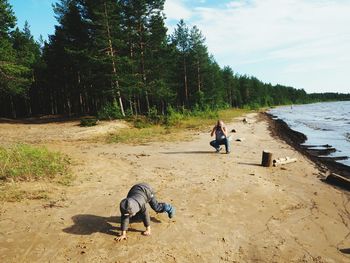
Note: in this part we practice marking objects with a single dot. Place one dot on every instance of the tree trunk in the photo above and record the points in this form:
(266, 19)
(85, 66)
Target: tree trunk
(69, 107)
(52, 109)
(81, 106)
(55, 104)
(266, 159)
(185, 80)
(86, 102)
(13, 110)
(163, 107)
(143, 72)
(135, 105)
(130, 106)
(111, 50)
(198, 76)
(139, 104)
(28, 107)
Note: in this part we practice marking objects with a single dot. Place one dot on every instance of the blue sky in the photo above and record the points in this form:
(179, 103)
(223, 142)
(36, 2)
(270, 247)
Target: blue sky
(38, 13)
(299, 43)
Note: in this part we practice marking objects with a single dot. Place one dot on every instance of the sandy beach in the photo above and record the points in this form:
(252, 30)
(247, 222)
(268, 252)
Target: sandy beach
(229, 207)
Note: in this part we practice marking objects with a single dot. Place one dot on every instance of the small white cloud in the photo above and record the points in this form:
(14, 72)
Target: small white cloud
(176, 10)
(237, 4)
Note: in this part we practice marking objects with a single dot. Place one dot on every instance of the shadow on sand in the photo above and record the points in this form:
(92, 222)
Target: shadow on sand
(189, 152)
(45, 119)
(251, 164)
(345, 250)
(86, 224)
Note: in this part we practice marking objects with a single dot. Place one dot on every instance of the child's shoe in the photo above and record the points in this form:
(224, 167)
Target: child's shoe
(218, 150)
(170, 210)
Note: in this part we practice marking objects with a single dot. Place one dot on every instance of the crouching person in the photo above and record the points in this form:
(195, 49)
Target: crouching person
(221, 137)
(134, 205)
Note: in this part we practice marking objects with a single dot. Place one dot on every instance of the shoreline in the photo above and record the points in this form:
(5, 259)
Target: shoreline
(335, 173)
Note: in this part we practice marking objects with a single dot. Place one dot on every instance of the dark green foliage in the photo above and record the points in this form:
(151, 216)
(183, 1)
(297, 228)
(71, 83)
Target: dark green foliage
(88, 121)
(114, 59)
(329, 96)
(7, 19)
(141, 123)
(153, 116)
(18, 55)
(173, 117)
(109, 112)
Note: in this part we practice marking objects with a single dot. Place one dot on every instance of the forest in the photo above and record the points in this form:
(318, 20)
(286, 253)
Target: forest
(117, 56)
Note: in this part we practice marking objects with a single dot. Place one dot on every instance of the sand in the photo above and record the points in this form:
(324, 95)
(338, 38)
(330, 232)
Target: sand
(229, 208)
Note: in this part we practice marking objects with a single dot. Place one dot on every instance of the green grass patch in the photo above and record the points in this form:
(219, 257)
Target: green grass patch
(229, 114)
(23, 162)
(173, 128)
(143, 135)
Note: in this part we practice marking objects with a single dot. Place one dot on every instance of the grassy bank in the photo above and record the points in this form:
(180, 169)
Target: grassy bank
(24, 163)
(172, 127)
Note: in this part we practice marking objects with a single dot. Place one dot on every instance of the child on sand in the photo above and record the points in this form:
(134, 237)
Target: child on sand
(135, 205)
(221, 137)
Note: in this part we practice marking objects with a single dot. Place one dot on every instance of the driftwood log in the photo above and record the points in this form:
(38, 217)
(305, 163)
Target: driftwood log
(318, 151)
(335, 158)
(339, 180)
(316, 146)
(285, 160)
(266, 159)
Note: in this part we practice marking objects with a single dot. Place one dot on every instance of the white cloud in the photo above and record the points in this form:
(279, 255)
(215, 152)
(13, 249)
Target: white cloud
(176, 9)
(237, 4)
(278, 38)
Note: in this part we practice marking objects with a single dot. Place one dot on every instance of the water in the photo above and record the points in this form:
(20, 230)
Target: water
(322, 123)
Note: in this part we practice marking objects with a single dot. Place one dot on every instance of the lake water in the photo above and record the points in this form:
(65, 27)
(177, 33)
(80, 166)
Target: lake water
(322, 123)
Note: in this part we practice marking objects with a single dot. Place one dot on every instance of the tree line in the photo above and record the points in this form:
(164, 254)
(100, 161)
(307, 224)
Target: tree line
(117, 56)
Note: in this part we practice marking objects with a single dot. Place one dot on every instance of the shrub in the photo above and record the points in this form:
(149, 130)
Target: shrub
(173, 118)
(88, 121)
(254, 106)
(205, 112)
(153, 116)
(110, 111)
(141, 123)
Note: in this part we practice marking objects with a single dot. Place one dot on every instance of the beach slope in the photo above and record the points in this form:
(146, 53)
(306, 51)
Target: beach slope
(229, 208)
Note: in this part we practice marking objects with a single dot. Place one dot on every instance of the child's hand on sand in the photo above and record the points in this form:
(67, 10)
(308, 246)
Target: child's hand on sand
(121, 237)
(147, 232)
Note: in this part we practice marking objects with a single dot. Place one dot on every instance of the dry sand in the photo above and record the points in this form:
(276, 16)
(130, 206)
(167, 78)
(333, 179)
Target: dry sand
(229, 208)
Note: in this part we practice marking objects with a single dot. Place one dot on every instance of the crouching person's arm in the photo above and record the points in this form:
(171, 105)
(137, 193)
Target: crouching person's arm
(146, 221)
(124, 226)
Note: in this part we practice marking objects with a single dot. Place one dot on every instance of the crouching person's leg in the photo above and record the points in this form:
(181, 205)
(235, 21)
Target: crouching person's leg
(216, 145)
(162, 207)
(146, 221)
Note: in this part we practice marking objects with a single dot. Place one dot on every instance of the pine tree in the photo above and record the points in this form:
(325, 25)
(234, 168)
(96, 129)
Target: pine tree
(143, 23)
(198, 60)
(17, 56)
(7, 19)
(27, 55)
(106, 44)
(180, 39)
(158, 58)
(199, 53)
(66, 57)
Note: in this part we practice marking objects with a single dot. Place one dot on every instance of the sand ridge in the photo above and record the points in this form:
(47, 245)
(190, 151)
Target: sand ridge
(229, 208)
